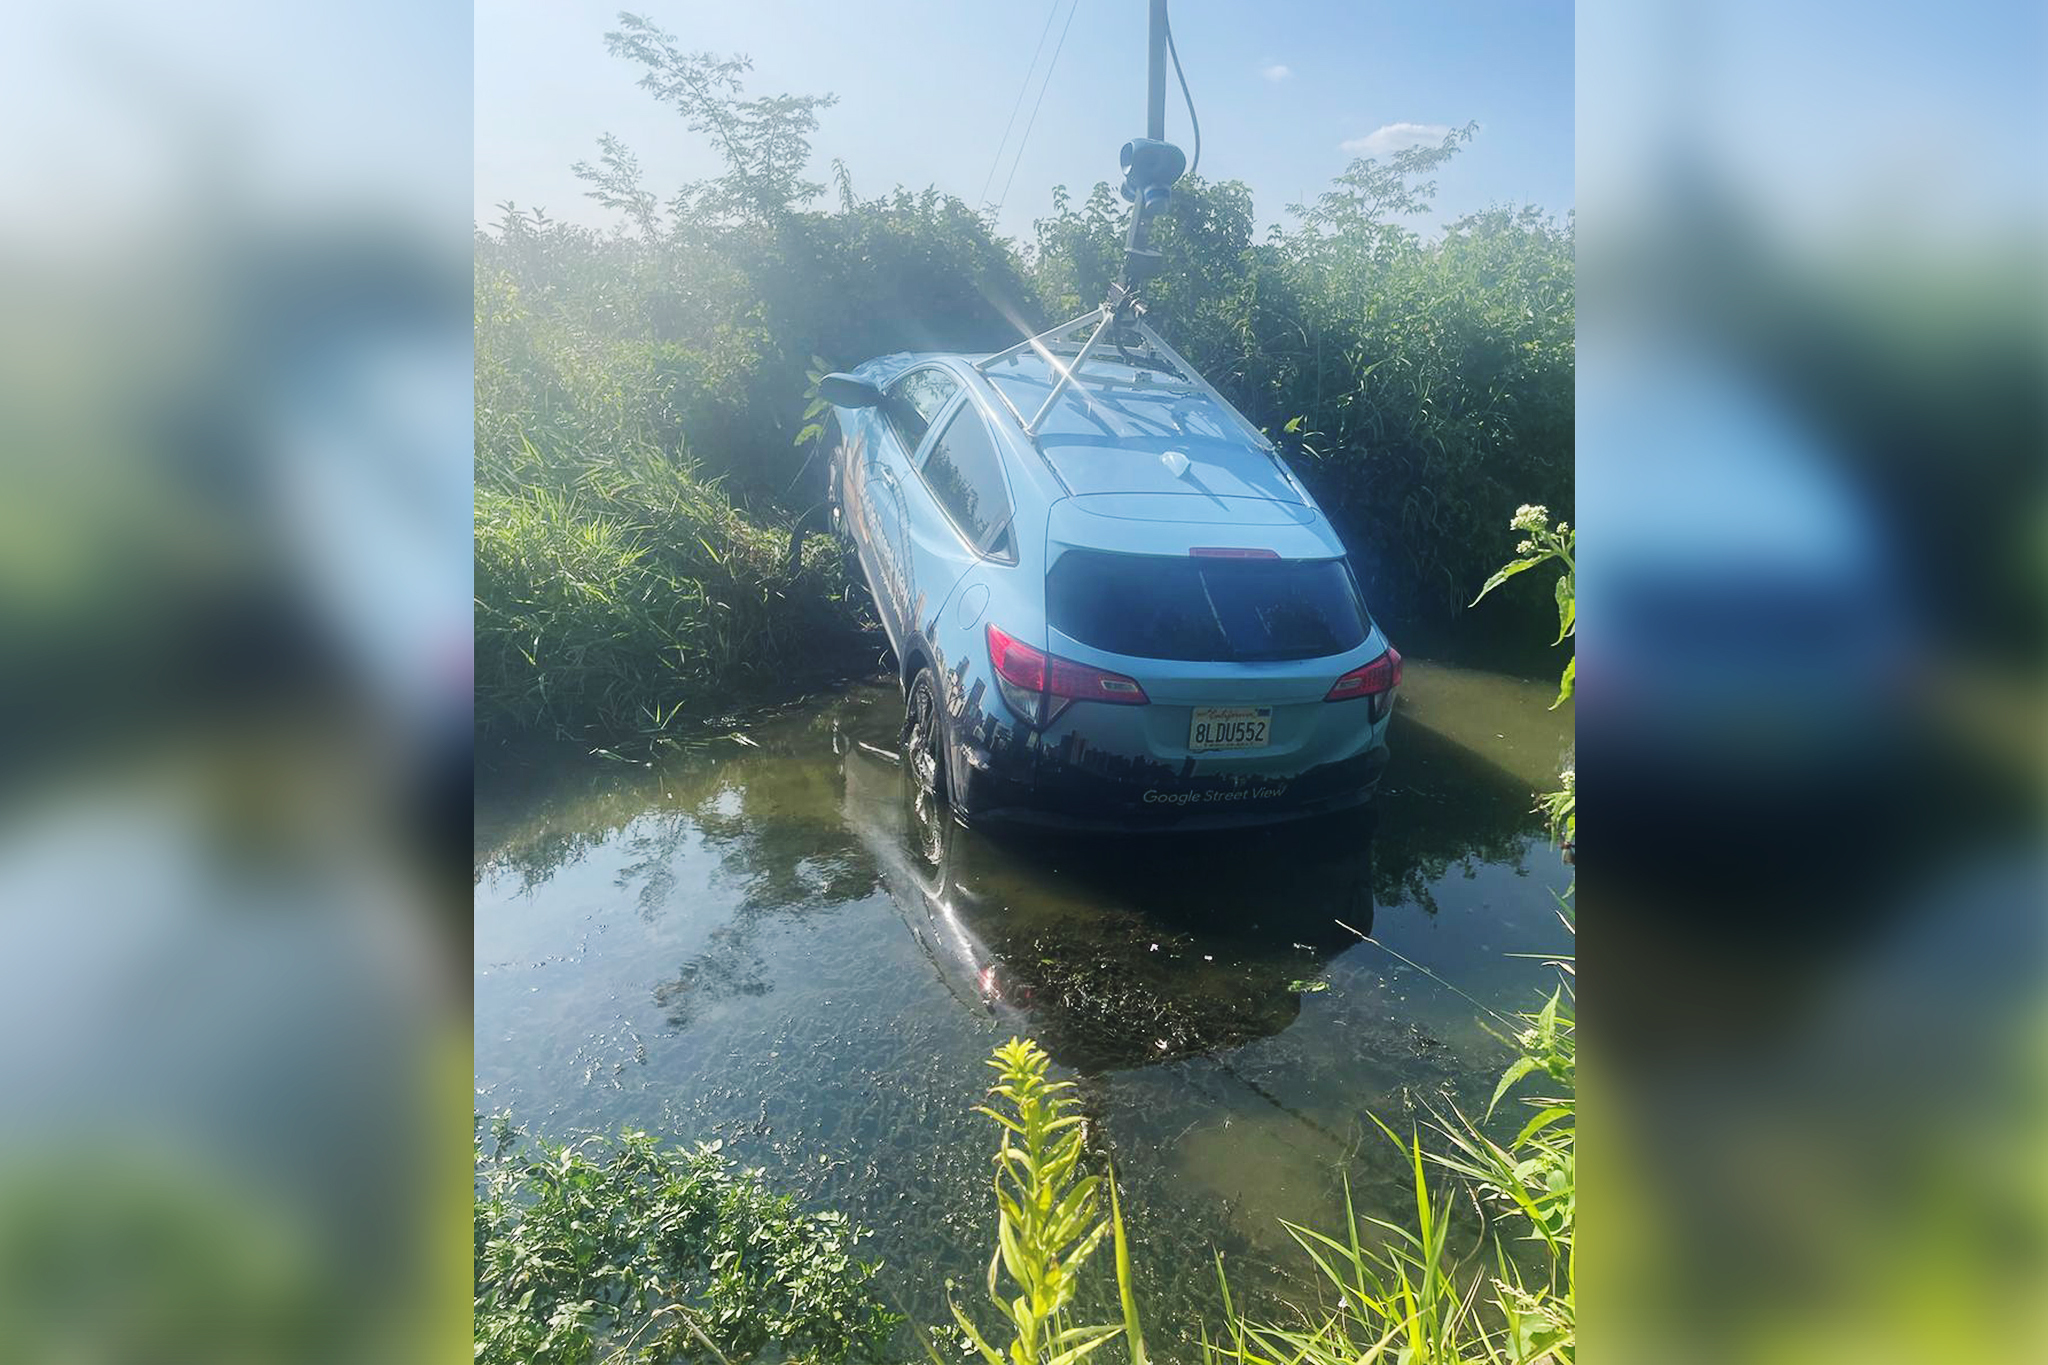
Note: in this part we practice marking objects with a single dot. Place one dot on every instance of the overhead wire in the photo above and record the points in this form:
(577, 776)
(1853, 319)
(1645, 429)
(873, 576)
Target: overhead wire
(1194, 122)
(1051, 12)
(1043, 87)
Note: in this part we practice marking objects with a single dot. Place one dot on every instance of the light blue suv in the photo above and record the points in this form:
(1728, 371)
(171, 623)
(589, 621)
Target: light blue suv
(1112, 605)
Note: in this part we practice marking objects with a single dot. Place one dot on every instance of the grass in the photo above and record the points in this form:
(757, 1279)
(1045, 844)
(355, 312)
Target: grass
(617, 598)
(1401, 1293)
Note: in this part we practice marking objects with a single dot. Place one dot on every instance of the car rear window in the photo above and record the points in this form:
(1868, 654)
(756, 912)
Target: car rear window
(1196, 607)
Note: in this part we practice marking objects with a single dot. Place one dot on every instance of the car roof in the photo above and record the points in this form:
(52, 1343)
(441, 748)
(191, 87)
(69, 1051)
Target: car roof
(1127, 429)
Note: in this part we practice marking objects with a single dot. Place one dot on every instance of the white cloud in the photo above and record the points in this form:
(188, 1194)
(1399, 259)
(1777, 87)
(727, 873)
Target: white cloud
(1276, 72)
(1396, 137)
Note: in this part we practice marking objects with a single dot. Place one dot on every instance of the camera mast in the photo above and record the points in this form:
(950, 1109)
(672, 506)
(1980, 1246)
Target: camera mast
(1151, 165)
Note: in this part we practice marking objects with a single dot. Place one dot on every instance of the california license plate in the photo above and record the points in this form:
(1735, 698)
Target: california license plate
(1229, 727)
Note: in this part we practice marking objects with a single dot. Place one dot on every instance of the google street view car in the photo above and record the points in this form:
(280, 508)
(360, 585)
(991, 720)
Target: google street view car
(1111, 602)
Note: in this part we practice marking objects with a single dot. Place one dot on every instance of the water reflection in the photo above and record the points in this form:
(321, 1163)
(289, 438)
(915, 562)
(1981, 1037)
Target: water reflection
(1113, 953)
(1109, 959)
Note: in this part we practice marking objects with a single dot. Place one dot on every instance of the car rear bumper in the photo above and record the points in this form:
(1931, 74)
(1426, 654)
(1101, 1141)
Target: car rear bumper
(1066, 798)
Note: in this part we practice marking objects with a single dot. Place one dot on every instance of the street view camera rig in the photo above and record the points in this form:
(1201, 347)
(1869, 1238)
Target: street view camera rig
(1151, 165)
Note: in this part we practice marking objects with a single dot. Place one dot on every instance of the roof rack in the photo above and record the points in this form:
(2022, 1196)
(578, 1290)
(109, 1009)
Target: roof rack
(1138, 347)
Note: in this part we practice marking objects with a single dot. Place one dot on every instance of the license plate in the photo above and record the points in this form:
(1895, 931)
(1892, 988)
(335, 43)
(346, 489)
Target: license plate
(1229, 727)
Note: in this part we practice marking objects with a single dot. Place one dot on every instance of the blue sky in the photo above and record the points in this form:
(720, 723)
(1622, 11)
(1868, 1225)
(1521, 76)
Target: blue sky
(926, 86)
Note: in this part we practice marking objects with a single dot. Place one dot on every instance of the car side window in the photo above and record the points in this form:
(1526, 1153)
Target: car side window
(914, 400)
(965, 472)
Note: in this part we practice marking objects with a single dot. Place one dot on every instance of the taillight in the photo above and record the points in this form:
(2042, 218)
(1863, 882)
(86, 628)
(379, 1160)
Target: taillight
(1016, 662)
(1039, 685)
(1369, 680)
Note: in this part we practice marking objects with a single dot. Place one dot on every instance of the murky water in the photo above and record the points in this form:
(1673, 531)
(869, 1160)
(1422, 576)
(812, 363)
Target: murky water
(772, 943)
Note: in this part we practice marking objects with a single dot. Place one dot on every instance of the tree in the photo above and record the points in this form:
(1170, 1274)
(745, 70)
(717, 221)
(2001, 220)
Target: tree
(1369, 193)
(766, 142)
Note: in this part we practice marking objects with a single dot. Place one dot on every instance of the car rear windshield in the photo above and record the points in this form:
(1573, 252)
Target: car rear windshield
(1198, 607)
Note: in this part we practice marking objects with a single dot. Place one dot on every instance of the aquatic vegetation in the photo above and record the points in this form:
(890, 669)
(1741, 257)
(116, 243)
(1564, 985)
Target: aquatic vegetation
(1403, 1291)
(627, 1250)
(1417, 1292)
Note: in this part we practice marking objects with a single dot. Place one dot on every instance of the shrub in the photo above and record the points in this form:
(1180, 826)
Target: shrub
(625, 1250)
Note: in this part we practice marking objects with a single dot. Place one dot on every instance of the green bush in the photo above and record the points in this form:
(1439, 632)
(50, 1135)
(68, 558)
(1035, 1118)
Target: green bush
(629, 1251)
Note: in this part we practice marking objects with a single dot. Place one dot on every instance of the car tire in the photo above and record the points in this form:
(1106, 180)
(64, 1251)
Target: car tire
(924, 733)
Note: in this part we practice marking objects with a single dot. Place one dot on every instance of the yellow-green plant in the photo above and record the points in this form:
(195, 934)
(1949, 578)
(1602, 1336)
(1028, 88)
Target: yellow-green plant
(1048, 1223)
(1543, 543)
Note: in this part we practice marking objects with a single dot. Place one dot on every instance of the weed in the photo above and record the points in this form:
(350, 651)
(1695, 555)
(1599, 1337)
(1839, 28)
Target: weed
(630, 1251)
(1049, 1224)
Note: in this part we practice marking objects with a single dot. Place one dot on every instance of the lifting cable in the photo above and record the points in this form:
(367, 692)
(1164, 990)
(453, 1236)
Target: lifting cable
(1194, 122)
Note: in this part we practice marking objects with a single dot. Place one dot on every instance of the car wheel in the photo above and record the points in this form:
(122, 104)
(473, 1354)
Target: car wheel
(924, 734)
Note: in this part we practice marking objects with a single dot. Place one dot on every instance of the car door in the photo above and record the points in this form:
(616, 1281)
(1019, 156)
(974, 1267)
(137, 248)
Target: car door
(899, 428)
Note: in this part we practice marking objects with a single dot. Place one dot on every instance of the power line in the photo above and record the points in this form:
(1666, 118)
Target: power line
(1028, 123)
(1051, 12)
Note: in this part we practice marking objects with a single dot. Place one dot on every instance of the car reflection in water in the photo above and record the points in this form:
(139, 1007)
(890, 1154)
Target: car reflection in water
(1111, 953)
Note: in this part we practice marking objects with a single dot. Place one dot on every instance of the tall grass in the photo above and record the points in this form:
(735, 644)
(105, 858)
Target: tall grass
(624, 600)
(618, 589)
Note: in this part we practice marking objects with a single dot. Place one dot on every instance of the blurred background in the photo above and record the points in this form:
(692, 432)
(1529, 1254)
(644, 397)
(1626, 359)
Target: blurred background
(234, 681)
(1813, 335)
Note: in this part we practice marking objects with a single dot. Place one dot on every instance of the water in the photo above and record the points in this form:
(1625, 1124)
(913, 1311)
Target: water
(774, 944)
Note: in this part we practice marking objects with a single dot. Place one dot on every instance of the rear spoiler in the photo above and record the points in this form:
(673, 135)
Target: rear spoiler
(1179, 524)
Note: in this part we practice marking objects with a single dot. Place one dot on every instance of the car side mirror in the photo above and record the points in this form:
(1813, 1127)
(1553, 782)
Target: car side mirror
(844, 391)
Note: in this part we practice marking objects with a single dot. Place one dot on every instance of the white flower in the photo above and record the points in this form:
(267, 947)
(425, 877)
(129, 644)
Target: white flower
(1529, 517)
(1526, 547)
